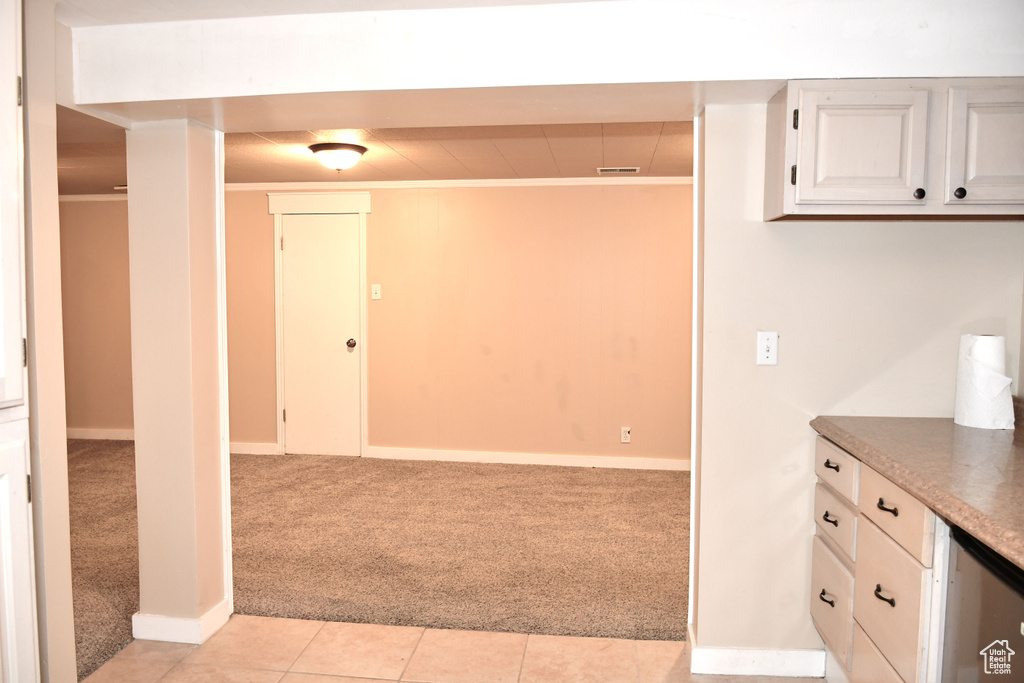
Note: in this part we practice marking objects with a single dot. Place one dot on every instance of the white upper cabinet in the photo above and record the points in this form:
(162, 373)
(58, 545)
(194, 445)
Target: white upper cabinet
(861, 146)
(12, 374)
(985, 146)
(896, 148)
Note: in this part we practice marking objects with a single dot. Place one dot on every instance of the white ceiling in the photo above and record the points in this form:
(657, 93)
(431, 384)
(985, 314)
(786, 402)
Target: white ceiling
(76, 13)
(544, 132)
(91, 153)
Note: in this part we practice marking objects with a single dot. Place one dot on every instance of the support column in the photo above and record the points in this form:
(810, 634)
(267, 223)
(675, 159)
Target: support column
(179, 368)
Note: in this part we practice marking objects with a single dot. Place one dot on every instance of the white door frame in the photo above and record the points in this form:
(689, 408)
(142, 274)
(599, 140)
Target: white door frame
(292, 203)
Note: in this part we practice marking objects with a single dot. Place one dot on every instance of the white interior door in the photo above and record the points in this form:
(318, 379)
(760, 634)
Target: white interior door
(322, 338)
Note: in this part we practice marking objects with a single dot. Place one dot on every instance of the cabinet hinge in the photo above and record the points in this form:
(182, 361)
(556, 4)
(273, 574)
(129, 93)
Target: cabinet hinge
(24, 352)
(284, 416)
(792, 175)
(796, 119)
(28, 478)
(282, 243)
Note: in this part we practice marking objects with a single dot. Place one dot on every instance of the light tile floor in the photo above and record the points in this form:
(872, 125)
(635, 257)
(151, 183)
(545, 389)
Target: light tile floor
(265, 650)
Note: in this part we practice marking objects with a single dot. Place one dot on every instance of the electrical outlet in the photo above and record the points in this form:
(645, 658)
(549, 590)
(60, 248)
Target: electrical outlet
(624, 438)
(767, 348)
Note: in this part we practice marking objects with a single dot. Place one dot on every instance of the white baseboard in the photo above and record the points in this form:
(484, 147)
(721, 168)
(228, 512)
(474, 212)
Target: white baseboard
(181, 630)
(752, 662)
(527, 458)
(255, 448)
(86, 433)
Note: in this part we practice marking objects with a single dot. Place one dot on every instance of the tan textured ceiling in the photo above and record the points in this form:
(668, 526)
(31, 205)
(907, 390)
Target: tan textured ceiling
(91, 153)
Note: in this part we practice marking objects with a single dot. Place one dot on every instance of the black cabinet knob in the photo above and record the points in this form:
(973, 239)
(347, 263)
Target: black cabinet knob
(959, 193)
(919, 193)
(351, 343)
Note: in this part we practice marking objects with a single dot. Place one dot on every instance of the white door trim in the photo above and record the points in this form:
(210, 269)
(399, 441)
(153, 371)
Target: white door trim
(289, 203)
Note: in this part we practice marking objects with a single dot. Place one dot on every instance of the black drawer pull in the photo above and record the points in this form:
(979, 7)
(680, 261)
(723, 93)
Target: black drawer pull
(878, 594)
(831, 465)
(821, 596)
(881, 506)
(833, 522)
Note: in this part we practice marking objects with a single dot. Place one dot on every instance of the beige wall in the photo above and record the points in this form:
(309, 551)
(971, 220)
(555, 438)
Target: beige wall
(869, 316)
(533, 320)
(537, 320)
(252, 360)
(97, 320)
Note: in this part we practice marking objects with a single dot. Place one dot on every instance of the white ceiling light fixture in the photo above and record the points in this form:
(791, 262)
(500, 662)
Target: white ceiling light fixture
(338, 155)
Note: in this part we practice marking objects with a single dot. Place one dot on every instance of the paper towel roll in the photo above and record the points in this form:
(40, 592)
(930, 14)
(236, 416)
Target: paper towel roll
(982, 390)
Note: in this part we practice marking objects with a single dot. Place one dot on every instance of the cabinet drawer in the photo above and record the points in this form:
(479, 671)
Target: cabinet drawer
(837, 468)
(868, 664)
(836, 520)
(910, 523)
(885, 572)
(832, 600)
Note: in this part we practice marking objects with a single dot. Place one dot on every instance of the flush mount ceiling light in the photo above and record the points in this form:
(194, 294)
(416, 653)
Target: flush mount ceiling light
(337, 155)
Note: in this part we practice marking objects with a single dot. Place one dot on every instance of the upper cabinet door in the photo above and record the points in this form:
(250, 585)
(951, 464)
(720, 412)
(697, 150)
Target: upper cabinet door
(12, 375)
(861, 147)
(985, 146)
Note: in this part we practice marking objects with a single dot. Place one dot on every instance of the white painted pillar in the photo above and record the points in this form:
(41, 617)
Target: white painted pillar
(179, 368)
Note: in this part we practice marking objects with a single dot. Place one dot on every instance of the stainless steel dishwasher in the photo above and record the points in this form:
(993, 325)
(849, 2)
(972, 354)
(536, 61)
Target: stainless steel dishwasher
(984, 630)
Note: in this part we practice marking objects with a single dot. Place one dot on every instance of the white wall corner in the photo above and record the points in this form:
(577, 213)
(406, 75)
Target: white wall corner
(181, 630)
(756, 662)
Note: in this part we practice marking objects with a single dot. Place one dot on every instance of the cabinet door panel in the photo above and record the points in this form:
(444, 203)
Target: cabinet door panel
(985, 146)
(12, 376)
(885, 572)
(861, 147)
(18, 645)
(868, 664)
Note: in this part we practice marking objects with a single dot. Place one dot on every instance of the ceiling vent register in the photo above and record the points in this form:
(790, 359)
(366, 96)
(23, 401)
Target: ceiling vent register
(621, 170)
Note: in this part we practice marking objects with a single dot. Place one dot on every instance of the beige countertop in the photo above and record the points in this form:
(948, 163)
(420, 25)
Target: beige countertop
(972, 478)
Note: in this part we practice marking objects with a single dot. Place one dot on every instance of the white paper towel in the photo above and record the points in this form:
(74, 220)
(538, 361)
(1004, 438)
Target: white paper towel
(982, 389)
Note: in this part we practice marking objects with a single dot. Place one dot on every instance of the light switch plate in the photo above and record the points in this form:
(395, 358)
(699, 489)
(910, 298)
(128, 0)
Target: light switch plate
(374, 291)
(767, 348)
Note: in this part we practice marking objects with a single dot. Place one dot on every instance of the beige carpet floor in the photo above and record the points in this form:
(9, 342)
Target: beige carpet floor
(532, 549)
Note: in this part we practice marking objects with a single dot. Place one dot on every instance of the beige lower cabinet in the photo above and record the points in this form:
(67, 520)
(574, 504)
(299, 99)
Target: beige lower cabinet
(880, 615)
(869, 665)
(832, 602)
(892, 590)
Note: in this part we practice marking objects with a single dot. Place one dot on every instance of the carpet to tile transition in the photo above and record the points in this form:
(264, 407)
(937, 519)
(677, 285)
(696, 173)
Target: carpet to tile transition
(522, 548)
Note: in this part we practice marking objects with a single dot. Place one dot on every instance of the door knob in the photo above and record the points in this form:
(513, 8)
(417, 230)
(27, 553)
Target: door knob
(351, 343)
